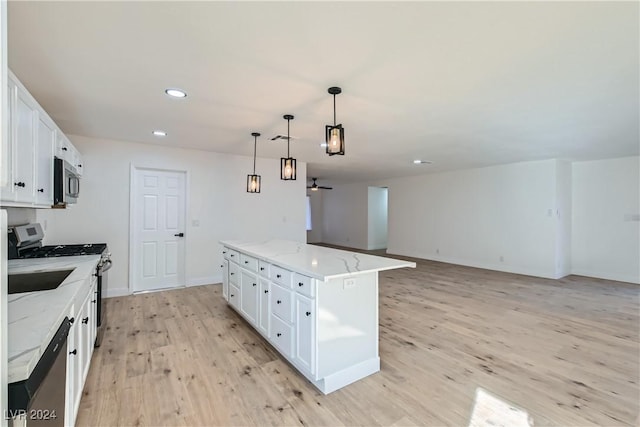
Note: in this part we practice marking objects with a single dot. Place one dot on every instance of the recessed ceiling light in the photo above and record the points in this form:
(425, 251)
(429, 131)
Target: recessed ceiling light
(422, 162)
(176, 93)
(159, 133)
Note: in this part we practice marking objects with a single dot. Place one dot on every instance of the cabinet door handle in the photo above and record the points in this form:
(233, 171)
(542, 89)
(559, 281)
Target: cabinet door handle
(73, 319)
(232, 273)
(94, 301)
(232, 255)
(232, 295)
(279, 302)
(308, 313)
(79, 166)
(74, 351)
(254, 284)
(40, 190)
(300, 284)
(224, 252)
(64, 148)
(19, 184)
(279, 334)
(179, 235)
(266, 291)
(222, 266)
(278, 276)
(246, 262)
(85, 320)
(261, 268)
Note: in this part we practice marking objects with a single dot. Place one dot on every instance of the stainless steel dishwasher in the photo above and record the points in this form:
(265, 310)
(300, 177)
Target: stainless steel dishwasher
(40, 399)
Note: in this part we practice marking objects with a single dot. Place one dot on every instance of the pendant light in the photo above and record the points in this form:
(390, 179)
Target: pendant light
(253, 181)
(335, 133)
(288, 164)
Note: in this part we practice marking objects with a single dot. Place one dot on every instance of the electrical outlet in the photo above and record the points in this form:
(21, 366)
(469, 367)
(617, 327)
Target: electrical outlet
(349, 283)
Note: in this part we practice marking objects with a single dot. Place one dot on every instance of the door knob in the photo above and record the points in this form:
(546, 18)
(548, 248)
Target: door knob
(179, 235)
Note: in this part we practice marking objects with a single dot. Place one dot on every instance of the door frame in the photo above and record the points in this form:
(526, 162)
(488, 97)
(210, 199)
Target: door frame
(132, 188)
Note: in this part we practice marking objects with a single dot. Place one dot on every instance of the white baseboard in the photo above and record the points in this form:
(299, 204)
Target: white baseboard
(208, 280)
(506, 268)
(608, 276)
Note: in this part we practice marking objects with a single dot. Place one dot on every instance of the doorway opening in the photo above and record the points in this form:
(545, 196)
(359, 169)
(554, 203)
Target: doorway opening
(378, 206)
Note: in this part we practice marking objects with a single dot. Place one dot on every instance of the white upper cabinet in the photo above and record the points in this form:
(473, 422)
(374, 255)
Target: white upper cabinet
(33, 141)
(44, 161)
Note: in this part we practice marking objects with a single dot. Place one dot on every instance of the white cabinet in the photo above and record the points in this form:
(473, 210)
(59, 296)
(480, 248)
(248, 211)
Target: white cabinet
(225, 279)
(305, 333)
(44, 161)
(80, 345)
(33, 141)
(265, 298)
(249, 296)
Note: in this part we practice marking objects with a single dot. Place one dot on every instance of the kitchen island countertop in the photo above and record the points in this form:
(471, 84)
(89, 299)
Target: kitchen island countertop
(319, 262)
(34, 317)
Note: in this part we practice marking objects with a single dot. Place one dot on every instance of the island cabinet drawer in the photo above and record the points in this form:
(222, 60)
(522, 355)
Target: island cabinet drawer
(231, 255)
(282, 335)
(248, 262)
(282, 303)
(304, 285)
(234, 296)
(281, 276)
(263, 268)
(234, 273)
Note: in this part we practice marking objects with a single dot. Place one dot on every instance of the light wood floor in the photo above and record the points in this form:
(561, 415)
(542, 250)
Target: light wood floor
(566, 351)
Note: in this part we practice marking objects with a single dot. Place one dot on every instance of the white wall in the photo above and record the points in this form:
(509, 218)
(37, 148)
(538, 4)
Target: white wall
(377, 218)
(217, 198)
(606, 227)
(344, 215)
(315, 234)
(500, 218)
(563, 213)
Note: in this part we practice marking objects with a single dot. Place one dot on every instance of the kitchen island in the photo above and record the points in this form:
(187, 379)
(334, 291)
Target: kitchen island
(317, 306)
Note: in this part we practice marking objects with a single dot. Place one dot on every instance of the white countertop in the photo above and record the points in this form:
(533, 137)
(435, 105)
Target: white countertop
(34, 317)
(315, 261)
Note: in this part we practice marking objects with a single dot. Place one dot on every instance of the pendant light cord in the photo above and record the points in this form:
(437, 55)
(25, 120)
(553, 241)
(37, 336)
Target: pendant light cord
(288, 138)
(255, 144)
(334, 110)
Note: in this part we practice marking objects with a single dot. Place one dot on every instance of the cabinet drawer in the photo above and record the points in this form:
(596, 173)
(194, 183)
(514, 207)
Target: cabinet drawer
(231, 255)
(250, 263)
(263, 268)
(281, 276)
(282, 303)
(234, 296)
(234, 273)
(282, 335)
(304, 285)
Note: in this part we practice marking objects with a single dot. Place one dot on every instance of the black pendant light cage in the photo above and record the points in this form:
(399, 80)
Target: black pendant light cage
(253, 180)
(288, 164)
(334, 134)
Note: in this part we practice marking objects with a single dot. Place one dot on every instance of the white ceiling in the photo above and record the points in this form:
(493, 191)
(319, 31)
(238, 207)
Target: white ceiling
(461, 84)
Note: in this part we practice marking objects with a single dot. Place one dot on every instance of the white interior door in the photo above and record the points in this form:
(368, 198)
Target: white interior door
(158, 212)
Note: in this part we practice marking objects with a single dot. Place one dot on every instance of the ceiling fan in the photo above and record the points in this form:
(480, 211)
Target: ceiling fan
(316, 187)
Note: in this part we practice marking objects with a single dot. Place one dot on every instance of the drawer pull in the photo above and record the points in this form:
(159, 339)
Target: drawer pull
(300, 284)
(232, 255)
(232, 273)
(246, 262)
(19, 184)
(73, 319)
(278, 302)
(74, 351)
(222, 266)
(41, 190)
(278, 276)
(308, 313)
(261, 268)
(94, 301)
(85, 320)
(266, 291)
(254, 284)
(64, 148)
(232, 295)
(224, 252)
(279, 334)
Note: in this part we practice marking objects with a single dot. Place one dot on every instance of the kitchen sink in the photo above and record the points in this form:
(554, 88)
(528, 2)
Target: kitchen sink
(40, 281)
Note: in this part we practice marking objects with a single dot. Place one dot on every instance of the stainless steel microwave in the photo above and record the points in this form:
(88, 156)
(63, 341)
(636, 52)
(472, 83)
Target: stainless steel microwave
(66, 183)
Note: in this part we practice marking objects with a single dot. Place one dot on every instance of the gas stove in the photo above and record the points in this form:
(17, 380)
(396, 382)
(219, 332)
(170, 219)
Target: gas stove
(64, 250)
